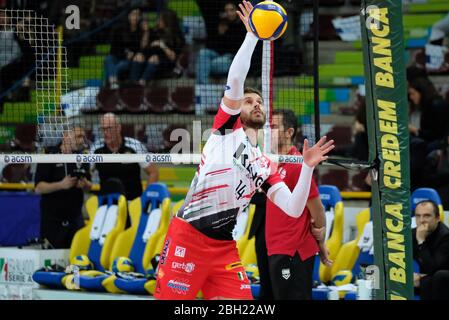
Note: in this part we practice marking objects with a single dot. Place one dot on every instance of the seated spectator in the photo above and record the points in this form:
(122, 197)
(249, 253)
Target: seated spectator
(431, 252)
(161, 48)
(436, 172)
(429, 113)
(61, 186)
(221, 46)
(129, 173)
(125, 44)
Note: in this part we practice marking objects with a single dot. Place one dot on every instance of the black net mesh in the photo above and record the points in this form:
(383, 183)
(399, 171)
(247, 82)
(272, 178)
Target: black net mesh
(158, 66)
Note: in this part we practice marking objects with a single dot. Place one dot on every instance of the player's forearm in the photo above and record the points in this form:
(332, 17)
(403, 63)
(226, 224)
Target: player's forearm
(293, 203)
(240, 67)
(47, 187)
(317, 212)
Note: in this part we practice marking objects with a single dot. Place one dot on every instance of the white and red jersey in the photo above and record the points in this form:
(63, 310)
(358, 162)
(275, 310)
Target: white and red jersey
(230, 172)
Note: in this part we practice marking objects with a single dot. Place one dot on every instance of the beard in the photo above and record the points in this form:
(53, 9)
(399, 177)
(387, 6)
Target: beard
(253, 122)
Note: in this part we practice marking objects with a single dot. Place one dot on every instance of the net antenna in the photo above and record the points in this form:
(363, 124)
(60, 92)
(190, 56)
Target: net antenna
(267, 91)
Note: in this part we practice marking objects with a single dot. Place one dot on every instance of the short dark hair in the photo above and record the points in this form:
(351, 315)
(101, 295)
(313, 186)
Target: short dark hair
(436, 210)
(289, 120)
(253, 90)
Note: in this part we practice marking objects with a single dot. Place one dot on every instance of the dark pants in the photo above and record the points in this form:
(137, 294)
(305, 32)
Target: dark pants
(291, 277)
(60, 233)
(266, 291)
(435, 287)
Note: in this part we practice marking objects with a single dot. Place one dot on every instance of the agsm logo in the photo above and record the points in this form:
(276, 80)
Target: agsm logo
(88, 158)
(18, 159)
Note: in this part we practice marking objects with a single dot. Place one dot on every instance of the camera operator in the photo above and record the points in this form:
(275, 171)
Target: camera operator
(62, 187)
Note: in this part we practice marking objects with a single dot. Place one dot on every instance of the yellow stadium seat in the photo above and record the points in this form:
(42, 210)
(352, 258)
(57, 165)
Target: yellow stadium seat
(176, 207)
(107, 219)
(143, 240)
(245, 246)
(81, 243)
(333, 204)
(348, 253)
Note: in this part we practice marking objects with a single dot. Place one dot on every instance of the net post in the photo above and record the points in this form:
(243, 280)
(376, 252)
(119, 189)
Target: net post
(267, 90)
(386, 92)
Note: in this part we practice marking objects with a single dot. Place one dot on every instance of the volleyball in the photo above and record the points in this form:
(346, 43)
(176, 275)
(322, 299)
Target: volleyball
(82, 262)
(122, 264)
(268, 20)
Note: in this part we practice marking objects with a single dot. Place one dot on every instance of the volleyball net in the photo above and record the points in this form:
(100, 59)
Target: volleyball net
(157, 71)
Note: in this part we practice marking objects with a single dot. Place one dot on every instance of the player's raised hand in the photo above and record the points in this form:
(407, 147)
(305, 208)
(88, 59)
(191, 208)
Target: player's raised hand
(313, 156)
(245, 9)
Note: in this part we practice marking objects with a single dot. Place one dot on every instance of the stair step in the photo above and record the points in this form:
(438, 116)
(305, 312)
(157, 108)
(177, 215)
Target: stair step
(421, 20)
(103, 49)
(429, 7)
(341, 70)
(92, 62)
(349, 57)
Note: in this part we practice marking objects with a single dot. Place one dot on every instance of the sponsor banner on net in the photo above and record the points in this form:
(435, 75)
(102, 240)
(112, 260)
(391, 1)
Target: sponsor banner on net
(17, 158)
(124, 158)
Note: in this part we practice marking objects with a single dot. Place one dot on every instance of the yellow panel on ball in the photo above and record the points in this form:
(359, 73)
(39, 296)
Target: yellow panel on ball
(268, 20)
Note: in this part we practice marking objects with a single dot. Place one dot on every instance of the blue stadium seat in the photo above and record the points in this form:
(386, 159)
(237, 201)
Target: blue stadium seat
(150, 216)
(333, 205)
(107, 218)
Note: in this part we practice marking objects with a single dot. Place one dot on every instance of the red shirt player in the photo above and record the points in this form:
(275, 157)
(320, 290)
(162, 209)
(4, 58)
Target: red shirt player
(199, 252)
(291, 246)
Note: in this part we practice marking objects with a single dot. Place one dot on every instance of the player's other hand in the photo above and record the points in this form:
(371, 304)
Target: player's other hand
(245, 9)
(318, 233)
(68, 182)
(313, 156)
(324, 255)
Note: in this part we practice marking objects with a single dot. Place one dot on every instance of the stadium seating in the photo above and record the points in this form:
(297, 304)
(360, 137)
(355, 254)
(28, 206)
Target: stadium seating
(349, 252)
(176, 207)
(247, 247)
(107, 218)
(130, 99)
(335, 177)
(157, 220)
(333, 204)
(156, 99)
(107, 100)
(349, 260)
(183, 99)
(150, 215)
